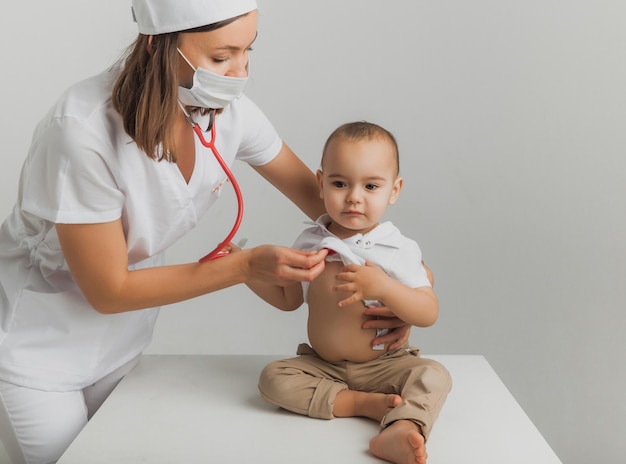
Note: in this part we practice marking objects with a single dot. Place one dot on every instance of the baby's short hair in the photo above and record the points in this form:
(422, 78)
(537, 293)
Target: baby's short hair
(363, 130)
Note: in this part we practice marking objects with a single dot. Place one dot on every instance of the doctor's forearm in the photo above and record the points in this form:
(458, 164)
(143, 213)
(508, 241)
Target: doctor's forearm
(98, 260)
(101, 271)
(160, 286)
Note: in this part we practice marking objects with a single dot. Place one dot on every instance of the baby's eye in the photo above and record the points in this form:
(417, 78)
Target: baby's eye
(339, 184)
(371, 186)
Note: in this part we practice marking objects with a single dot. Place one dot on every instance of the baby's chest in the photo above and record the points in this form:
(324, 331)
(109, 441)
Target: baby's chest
(323, 296)
(324, 284)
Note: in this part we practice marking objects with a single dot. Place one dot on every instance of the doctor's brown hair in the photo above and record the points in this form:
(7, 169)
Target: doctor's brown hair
(363, 130)
(146, 91)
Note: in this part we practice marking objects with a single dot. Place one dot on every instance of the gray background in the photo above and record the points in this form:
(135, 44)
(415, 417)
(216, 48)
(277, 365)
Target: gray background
(510, 119)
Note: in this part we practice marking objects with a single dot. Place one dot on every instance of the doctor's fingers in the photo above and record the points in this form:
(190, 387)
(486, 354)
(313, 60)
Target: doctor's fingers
(298, 260)
(309, 259)
(395, 338)
(378, 311)
(384, 323)
(297, 274)
(285, 265)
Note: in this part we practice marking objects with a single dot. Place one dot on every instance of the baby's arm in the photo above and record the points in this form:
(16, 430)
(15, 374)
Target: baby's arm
(285, 298)
(415, 306)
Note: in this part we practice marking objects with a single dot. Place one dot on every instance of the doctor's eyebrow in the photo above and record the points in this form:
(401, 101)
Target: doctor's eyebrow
(235, 48)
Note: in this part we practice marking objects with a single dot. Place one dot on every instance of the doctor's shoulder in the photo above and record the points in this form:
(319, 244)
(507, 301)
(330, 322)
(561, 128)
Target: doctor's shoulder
(82, 125)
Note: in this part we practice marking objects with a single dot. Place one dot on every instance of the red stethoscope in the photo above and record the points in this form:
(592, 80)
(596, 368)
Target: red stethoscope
(218, 251)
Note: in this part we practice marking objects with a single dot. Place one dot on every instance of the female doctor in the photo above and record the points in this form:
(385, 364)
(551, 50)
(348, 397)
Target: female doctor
(114, 175)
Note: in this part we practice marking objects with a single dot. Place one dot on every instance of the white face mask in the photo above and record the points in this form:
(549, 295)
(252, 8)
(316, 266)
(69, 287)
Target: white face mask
(210, 90)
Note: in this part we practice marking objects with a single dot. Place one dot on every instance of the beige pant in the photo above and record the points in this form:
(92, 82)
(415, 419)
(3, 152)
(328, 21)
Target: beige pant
(308, 385)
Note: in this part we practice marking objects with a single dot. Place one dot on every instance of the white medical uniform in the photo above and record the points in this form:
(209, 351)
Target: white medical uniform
(82, 167)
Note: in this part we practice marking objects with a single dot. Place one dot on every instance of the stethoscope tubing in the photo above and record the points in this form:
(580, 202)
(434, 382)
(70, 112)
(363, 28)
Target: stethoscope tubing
(217, 251)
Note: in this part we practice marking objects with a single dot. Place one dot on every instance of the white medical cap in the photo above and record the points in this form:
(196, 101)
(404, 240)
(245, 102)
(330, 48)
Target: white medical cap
(160, 16)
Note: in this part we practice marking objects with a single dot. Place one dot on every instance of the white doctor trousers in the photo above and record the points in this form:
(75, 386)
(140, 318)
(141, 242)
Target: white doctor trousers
(61, 416)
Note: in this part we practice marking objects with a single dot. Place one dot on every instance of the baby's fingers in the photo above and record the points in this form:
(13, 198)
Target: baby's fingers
(348, 288)
(348, 301)
(348, 273)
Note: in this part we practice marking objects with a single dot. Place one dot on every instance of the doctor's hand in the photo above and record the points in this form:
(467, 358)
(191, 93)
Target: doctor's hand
(283, 266)
(399, 330)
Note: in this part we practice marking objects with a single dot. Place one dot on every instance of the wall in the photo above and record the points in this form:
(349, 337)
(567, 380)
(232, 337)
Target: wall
(510, 119)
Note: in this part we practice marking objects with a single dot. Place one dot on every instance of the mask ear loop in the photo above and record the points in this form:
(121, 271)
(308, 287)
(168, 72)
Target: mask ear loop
(218, 252)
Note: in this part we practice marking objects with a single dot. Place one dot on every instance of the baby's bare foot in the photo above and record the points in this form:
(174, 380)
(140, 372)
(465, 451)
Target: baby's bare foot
(351, 403)
(400, 443)
(376, 405)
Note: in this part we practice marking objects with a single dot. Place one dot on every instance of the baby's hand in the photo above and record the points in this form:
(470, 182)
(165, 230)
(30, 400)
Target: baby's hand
(364, 282)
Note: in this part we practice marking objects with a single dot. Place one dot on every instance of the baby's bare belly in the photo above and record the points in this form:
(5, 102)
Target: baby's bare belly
(335, 333)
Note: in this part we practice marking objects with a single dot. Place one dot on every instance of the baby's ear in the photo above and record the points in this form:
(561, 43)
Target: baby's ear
(395, 191)
(320, 182)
